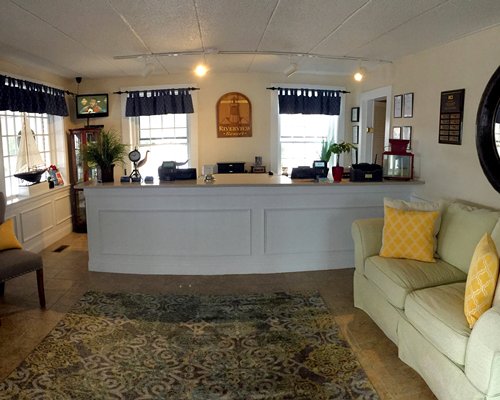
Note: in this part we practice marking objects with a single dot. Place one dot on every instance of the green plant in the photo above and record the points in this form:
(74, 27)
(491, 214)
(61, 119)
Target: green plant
(339, 148)
(326, 151)
(106, 150)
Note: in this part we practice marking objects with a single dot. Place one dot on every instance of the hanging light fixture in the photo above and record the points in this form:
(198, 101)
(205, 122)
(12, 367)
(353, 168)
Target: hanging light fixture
(359, 74)
(148, 66)
(200, 70)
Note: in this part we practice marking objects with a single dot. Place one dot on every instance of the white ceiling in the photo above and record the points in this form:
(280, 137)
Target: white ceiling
(81, 37)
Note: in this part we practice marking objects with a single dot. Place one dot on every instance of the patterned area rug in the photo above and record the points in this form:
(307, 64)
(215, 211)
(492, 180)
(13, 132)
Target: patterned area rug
(137, 346)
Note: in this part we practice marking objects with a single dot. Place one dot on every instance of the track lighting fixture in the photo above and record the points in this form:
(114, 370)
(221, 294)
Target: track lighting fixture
(290, 70)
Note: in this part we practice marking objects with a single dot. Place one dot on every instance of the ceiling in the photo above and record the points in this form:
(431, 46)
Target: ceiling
(83, 38)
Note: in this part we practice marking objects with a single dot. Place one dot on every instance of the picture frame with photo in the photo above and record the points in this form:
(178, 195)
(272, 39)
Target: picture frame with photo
(408, 105)
(355, 114)
(355, 134)
(406, 135)
(396, 132)
(398, 106)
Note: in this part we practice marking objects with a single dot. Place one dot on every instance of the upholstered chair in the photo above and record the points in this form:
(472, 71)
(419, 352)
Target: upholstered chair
(17, 262)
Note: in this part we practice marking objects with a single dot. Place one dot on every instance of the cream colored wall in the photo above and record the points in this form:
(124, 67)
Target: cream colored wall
(450, 171)
(210, 148)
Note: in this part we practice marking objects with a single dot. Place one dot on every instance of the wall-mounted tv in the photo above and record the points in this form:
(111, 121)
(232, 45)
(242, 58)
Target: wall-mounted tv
(91, 105)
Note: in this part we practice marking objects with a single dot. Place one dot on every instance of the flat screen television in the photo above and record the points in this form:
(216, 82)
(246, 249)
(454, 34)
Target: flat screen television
(91, 105)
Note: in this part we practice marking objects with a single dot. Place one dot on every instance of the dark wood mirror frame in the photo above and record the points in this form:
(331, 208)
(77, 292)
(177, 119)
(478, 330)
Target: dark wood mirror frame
(485, 137)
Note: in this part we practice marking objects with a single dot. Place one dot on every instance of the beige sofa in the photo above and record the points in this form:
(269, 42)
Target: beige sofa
(419, 305)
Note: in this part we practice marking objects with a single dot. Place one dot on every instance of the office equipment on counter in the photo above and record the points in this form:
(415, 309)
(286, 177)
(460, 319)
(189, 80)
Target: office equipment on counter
(230, 168)
(303, 173)
(148, 179)
(320, 169)
(364, 172)
(168, 171)
(398, 162)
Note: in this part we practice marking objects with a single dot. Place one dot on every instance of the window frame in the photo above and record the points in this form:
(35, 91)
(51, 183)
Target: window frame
(51, 152)
(130, 125)
(275, 144)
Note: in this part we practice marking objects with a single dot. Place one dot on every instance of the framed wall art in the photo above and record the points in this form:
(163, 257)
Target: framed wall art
(234, 116)
(398, 106)
(355, 134)
(451, 116)
(406, 135)
(408, 105)
(355, 114)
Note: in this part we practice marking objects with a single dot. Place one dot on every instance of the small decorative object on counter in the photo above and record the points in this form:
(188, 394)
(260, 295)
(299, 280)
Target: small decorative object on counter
(398, 162)
(55, 176)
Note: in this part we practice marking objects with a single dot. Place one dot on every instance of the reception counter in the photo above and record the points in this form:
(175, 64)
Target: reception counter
(240, 223)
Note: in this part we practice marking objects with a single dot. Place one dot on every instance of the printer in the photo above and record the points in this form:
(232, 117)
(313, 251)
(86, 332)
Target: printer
(168, 171)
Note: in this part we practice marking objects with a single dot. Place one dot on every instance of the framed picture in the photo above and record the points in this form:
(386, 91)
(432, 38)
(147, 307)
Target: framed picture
(355, 114)
(396, 132)
(406, 135)
(408, 105)
(354, 156)
(398, 106)
(451, 116)
(355, 134)
(234, 116)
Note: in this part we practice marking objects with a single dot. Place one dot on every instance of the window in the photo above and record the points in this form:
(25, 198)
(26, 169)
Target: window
(165, 136)
(301, 136)
(10, 127)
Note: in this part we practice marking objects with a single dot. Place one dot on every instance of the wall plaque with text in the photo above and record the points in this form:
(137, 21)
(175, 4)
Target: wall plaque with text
(234, 116)
(451, 116)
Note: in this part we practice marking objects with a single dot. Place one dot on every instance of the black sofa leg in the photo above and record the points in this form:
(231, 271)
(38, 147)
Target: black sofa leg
(41, 289)
(2, 288)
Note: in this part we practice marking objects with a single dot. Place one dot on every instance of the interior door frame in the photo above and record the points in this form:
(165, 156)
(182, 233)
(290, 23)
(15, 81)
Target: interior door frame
(367, 100)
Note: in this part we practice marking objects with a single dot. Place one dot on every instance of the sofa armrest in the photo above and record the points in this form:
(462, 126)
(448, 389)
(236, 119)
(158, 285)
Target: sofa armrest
(367, 236)
(482, 358)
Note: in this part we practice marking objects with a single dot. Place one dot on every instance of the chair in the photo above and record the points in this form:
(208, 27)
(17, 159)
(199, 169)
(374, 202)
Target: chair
(17, 262)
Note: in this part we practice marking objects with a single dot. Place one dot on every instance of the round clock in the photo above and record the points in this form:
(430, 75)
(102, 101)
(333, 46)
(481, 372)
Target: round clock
(134, 155)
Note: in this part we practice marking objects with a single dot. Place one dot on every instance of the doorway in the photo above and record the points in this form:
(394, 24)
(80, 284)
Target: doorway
(375, 124)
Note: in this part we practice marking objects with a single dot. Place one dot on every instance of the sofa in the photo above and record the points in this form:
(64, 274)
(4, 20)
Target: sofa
(420, 305)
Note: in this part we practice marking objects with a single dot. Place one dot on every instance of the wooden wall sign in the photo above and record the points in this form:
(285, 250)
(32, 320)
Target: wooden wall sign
(451, 116)
(234, 116)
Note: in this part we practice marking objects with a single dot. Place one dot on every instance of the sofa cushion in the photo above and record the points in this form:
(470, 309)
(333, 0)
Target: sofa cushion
(437, 313)
(462, 227)
(408, 234)
(481, 280)
(398, 277)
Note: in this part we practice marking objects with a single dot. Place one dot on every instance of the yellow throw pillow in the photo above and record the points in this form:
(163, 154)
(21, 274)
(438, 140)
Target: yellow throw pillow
(8, 238)
(408, 234)
(481, 280)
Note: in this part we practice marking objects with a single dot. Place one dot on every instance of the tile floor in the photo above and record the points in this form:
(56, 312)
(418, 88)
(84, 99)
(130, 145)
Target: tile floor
(24, 325)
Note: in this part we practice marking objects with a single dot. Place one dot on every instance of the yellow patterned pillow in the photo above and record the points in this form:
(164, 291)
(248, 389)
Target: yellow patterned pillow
(408, 234)
(8, 238)
(481, 280)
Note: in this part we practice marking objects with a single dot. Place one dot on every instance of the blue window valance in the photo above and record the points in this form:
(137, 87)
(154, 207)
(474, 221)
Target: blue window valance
(25, 96)
(158, 102)
(309, 101)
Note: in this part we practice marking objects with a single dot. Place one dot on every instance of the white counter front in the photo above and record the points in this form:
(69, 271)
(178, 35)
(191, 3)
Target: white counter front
(241, 223)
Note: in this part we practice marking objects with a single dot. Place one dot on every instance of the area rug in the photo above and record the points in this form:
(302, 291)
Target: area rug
(138, 346)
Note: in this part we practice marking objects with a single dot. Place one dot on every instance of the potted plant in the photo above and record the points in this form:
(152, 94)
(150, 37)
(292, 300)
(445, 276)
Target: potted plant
(104, 152)
(338, 149)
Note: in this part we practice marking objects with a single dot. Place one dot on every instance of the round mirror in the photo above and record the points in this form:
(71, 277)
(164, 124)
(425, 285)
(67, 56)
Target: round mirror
(488, 130)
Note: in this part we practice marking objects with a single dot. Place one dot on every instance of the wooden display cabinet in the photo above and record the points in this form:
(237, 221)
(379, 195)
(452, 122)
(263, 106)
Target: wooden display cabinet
(79, 173)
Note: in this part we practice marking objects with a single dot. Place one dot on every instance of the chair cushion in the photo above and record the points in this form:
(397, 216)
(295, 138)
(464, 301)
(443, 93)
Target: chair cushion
(481, 280)
(437, 313)
(409, 234)
(461, 228)
(398, 277)
(18, 262)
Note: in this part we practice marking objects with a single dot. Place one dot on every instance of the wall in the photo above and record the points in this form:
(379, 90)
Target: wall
(210, 148)
(450, 171)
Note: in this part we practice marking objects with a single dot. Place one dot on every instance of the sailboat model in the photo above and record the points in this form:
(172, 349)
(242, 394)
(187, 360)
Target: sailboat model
(30, 165)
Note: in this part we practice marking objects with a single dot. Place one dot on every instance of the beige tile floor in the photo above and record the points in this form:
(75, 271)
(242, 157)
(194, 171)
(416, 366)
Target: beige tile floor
(24, 325)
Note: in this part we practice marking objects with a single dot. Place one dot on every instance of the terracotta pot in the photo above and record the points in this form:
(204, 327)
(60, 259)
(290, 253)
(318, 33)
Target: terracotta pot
(337, 173)
(107, 173)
